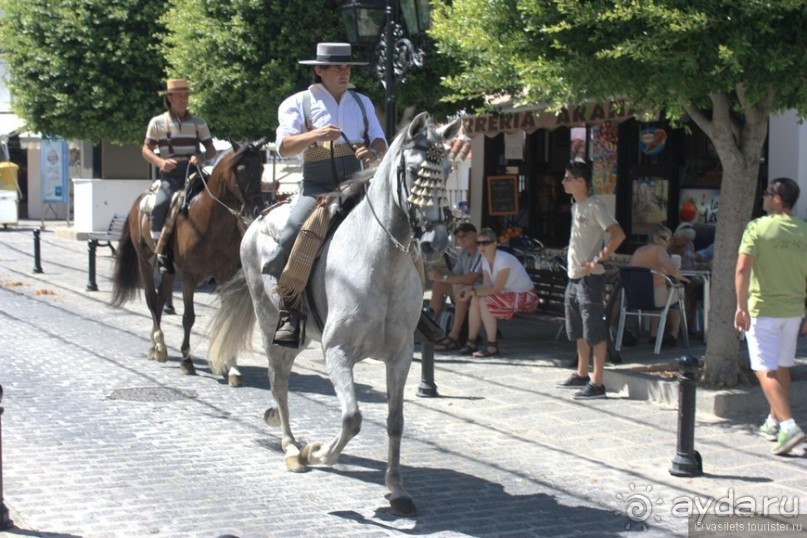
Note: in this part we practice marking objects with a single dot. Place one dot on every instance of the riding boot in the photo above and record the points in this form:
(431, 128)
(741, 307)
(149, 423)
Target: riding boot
(165, 265)
(288, 328)
(429, 328)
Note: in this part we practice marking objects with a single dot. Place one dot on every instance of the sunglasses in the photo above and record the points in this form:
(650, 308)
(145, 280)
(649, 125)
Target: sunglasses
(768, 193)
(665, 238)
(485, 242)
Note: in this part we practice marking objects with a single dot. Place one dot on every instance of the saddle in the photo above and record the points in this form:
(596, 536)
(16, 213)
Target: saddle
(193, 186)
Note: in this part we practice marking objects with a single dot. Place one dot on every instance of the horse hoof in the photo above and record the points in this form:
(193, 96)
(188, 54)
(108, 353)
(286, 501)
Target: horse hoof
(403, 506)
(187, 367)
(271, 417)
(294, 464)
(308, 450)
(236, 381)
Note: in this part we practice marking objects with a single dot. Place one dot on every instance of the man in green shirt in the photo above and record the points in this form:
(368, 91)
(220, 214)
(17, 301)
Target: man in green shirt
(770, 282)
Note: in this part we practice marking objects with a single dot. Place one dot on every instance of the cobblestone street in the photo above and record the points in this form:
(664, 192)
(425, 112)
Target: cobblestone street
(98, 441)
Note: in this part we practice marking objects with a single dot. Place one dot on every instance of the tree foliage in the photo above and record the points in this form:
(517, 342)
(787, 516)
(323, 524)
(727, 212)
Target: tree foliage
(83, 69)
(660, 53)
(726, 64)
(92, 69)
(241, 57)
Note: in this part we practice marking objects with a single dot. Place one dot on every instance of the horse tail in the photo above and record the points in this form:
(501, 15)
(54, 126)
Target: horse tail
(231, 327)
(126, 276)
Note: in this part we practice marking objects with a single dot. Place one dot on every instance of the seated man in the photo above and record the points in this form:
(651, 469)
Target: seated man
(466, 272)
(506, 290)
(654, 256)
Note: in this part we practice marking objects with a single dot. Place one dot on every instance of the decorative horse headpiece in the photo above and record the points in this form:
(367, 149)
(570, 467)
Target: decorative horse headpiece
(430, 183)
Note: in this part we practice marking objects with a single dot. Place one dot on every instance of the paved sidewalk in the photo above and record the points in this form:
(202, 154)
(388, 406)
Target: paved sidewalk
(98, 441)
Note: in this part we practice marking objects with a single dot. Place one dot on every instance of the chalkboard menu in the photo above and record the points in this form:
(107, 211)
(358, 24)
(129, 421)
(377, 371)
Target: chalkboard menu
(502, 195)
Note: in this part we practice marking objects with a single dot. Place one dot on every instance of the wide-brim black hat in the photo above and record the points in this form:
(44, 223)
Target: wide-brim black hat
(333, 54)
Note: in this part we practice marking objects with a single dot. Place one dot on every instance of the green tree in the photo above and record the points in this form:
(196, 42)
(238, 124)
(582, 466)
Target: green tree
(727, 64)
(83, 69)
(241, 57)
(242, 60)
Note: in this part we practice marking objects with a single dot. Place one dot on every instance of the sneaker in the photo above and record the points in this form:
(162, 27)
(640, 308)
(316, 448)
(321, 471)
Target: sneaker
(787, 441)
(768, 431)
(590, 392)
(574, 382)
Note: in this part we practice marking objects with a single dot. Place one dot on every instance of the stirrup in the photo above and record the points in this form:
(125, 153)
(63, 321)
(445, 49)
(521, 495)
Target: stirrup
(164, 265)
(428, 328)
(290, 329)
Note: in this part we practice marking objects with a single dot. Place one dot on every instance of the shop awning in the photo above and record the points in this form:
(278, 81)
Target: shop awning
(532, 118)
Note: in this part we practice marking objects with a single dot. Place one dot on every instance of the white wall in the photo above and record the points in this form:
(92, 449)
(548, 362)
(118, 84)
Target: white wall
(787, 153)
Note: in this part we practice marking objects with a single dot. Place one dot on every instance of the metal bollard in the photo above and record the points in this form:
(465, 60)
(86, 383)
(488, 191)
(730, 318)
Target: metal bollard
(427, 388)
(91, 246)
(37, 260)
(5, 520)
(687, 461)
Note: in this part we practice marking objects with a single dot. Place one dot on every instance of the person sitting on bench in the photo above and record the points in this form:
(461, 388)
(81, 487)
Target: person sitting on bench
(506, 290)
(467, 271)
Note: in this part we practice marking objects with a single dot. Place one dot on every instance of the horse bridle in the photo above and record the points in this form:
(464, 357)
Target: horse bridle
(239, 213)
(434, 155)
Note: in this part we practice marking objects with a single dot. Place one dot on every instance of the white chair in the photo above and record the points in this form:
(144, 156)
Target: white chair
(638, 299)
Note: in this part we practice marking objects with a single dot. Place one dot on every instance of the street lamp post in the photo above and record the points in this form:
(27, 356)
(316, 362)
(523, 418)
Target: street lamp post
(395, 54)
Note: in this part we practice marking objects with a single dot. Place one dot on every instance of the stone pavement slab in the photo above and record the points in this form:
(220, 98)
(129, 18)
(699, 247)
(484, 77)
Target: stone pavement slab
(98, 441)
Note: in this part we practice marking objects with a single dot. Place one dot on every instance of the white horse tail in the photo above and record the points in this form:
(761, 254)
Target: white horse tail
(231, 327)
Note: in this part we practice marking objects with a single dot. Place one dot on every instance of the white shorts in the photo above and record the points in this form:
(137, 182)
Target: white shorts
(772, 342)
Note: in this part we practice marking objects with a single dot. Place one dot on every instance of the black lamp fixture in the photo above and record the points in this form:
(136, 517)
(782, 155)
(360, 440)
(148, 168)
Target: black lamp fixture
(368, 20)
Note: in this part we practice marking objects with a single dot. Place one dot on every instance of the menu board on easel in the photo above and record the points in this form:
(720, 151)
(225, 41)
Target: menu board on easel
(502, 195)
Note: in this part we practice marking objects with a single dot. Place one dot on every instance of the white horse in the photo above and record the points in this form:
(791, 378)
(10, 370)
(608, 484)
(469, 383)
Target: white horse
(366, 288)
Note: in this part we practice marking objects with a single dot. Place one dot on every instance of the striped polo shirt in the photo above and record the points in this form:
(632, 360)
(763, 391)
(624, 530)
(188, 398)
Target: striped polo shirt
(175, 137)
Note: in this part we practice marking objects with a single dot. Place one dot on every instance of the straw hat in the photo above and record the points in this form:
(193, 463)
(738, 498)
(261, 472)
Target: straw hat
(176, 85)
(333, 54)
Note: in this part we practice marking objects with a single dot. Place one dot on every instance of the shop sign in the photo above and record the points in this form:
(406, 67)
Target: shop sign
(533, 119)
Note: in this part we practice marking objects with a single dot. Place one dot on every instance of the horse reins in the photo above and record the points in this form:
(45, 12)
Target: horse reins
(236, 213)
(401, 184)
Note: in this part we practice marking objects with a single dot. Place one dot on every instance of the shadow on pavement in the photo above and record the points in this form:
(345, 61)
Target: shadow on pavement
(453, 501)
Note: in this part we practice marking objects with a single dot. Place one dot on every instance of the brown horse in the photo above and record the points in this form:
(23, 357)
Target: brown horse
(205, 243)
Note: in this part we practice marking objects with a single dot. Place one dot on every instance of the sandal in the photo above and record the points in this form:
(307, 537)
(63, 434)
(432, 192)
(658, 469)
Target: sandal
(468, 349)
(490, 350)
(446, 344)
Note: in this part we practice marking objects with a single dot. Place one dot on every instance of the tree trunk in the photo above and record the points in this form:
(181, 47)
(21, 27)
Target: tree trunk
(738, 142)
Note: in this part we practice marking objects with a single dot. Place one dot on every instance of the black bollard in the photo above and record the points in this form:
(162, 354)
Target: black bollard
(427, 388)
(91, 284)
(687, 461)
(37, 260)
(5, 520)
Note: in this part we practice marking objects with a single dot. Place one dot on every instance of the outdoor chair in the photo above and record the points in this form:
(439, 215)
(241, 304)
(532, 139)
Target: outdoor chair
(637, 299)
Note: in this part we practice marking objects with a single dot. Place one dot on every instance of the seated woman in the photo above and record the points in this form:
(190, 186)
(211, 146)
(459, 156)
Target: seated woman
(654, 256)
(506, 289)
(682, 243)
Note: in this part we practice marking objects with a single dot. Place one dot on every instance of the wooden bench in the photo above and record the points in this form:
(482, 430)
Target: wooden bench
(550, 285)
(103, 239)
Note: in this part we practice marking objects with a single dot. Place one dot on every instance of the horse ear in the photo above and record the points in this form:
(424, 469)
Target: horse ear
(447, 132)
(235, 146)
(418, 124)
